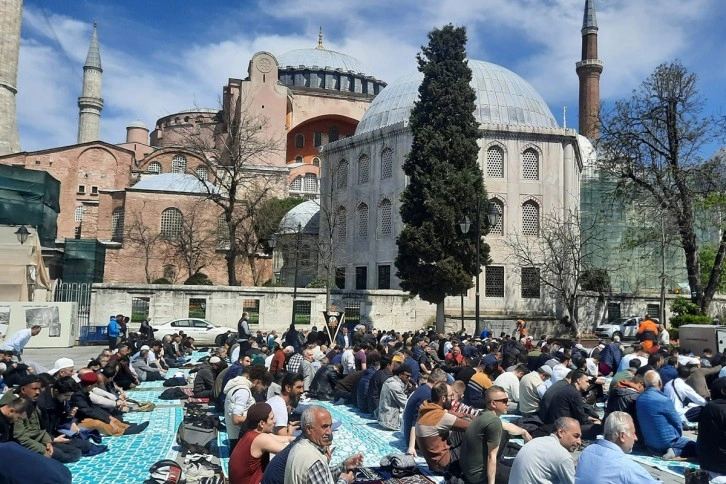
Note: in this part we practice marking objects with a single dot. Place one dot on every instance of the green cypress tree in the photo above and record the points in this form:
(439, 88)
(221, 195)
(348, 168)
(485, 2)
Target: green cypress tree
(435, 259)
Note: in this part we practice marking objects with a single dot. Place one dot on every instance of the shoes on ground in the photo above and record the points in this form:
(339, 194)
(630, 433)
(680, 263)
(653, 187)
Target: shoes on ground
(670, 454)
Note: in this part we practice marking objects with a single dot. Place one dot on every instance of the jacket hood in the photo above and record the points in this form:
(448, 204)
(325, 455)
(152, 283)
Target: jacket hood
(626, 385)
(237, 382)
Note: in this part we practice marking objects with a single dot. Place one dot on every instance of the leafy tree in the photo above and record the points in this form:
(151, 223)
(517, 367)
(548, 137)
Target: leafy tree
(651, 144)
(445, 182)
(597, 280)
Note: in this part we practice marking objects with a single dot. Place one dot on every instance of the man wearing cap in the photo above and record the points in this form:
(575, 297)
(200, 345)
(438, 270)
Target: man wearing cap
(29, 432)
(19, 340)
(204, 381)
(529, 390)
(62, 368)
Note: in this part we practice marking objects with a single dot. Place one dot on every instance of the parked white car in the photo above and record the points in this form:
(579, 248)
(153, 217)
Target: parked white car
(625, 327)
(201, 330)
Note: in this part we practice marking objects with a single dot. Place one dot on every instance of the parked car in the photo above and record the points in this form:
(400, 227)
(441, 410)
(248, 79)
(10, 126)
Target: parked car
(625, 327)
(201, 330)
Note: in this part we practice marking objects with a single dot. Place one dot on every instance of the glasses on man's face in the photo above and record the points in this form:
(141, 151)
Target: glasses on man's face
(501, 400)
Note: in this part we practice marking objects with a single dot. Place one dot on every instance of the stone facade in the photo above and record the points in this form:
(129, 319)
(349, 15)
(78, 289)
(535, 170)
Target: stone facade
(10, 20)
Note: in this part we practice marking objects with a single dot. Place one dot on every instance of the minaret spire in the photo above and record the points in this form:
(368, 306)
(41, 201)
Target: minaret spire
(588, 70)
(90, 102)
(10, 20)
(320, 39)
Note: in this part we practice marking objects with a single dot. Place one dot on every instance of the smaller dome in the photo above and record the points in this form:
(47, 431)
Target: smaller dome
(137, 124)
(306, 215)
(175, 182)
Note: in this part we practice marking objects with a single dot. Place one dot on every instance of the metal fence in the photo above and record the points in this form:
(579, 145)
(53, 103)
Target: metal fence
(79, 293)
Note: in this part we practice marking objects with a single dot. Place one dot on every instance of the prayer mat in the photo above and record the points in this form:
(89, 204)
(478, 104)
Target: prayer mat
(376, 475)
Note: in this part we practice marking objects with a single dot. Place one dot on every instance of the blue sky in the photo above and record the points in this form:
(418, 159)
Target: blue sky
(160, 57)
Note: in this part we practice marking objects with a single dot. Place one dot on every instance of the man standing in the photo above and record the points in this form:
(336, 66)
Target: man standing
(114, 331)
(19, 340)
(647, 333)
(605, 458)
(547, 459)
(343, 339)
(243, 333)
(308, 460)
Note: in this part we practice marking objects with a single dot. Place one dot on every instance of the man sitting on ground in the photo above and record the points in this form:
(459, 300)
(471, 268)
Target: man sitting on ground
(509, 380)
(239, 391)
(394, 395)
(547, 459)
(204, 381)
(283, 404)
(529, 387)
(439, 446)
(605, 458)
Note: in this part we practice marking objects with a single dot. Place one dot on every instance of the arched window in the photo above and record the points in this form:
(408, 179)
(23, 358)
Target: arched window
(362, 220)
(530, 164)
(343, 174)
(311, 183)
(296, 184)
(386, 163)
(530, 218)
(364, 169)
(495, 162)
(117, 225)
(386, 214)
(298, 159)
(299, 140)
(341, 221)
(154, 167)
(316, 161)
(498, 229)
(171, 223)
(179, 164)
(202, 173)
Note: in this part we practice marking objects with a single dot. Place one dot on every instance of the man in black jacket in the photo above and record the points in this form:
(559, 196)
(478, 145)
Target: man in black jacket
(565, 400)
(324, 382)
(12, 409)
(376, 383)
(711, 441)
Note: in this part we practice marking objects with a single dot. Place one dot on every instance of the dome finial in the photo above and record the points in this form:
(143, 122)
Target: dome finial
(320, 39)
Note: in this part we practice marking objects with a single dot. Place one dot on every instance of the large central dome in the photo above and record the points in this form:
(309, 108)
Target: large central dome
(321, 58)
(502, 97)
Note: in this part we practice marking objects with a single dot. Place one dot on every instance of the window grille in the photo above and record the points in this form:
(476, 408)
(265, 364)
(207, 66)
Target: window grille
(342, 223)
(386, 217)
(494, 281)
(202, 173)
(311, 182)
(252, 307)
(363, 220)
(179, 164)
(299, 141)
(498, 229)
(530, 283)
(361, 279)
(296, 184)
(530, 165)
(79, 213)
(171, 223)
(495, 162)
(154, 167)
(340, 277)
(364, 168)
(386, 163)
(384, 277)
(530, 219)
(117, 225)
(302, 311)
(343, 174)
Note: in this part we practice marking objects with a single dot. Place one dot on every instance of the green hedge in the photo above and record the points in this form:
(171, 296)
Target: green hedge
(681, 319)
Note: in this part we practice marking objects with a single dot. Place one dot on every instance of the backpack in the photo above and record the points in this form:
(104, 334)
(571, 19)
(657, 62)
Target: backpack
(193, 436)
(174, 393)
(165, 471)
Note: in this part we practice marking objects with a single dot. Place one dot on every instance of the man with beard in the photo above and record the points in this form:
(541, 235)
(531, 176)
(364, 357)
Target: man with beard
(283, 404)
(308, 460)
(439, 446)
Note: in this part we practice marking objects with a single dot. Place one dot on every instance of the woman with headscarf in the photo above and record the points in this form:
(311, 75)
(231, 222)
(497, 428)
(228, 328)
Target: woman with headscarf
(251, 455)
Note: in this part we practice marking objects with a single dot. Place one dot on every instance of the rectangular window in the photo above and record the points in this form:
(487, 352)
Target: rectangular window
(653, 310)
(361, 277)
(94, 190)
(384, 277)
(198, 308)
(340, 277)
(613, 311)
(334, 134)
(139, 309)
(252, 307)
(530, 283)
(81, 189)
(352, 313)
(494, 281)
(318, 138)
(302, 310)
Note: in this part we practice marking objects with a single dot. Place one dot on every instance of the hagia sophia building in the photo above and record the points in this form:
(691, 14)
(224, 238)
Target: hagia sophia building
(344, 137)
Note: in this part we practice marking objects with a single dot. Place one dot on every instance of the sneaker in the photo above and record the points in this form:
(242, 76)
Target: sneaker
(669, 454)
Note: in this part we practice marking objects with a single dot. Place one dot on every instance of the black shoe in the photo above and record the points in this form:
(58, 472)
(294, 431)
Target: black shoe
(136, 428)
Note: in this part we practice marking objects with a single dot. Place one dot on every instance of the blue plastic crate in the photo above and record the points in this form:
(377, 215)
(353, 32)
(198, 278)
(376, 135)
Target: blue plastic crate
(93, 335)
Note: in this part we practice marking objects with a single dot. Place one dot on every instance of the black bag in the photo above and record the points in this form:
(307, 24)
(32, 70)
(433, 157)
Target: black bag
(696, 476)
(195, 438)
(165, 471)
(175, 393)
(178, 381)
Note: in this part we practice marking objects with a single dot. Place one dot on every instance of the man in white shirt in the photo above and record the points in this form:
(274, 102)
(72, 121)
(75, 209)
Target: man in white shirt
(348, 361)
(637, 353)
(679, 392)
(561, 369)
(289, 397)
(19, 340)
(509, 380)
(664, 337)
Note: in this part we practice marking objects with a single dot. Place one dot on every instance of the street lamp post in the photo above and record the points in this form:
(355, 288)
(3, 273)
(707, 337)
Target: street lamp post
(493, 218)
(297, 264)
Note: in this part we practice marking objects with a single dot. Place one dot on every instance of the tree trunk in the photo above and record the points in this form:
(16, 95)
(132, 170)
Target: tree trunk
(690, 249)
(440, 317)
(251, 260)
(712, 285)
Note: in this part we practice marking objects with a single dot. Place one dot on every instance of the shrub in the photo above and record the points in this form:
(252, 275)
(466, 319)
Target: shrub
(161, 280)
(674, 333)
(198, 279)
(680, 320)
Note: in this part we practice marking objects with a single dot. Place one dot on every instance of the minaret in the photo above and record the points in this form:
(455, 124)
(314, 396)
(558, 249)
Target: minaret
(10, 20)
(90, 102)
(589, 70)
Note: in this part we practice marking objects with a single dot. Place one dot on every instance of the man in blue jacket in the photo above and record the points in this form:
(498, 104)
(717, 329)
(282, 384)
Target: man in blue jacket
(660, 422)
(114, 331)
